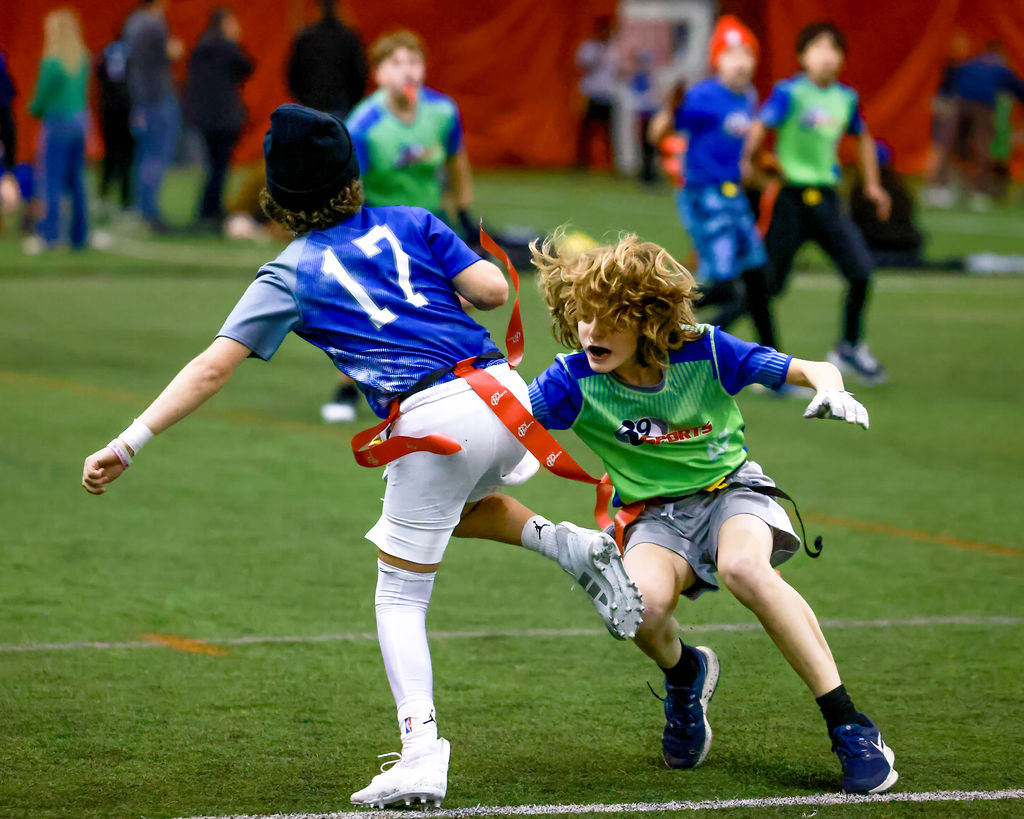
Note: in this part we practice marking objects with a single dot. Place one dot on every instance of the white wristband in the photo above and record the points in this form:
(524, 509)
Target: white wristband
(136, 436)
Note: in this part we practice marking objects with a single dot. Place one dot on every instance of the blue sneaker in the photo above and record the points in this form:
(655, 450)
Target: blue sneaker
(866, 759)
(687, 737)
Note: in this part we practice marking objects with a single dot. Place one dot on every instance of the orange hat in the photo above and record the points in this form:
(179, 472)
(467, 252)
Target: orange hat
(729, 32)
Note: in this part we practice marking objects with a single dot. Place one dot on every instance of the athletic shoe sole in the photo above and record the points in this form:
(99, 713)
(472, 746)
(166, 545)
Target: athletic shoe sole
(614, 595)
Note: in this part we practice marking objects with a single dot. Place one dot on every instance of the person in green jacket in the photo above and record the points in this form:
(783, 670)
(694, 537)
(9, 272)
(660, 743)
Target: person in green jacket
(60, 102)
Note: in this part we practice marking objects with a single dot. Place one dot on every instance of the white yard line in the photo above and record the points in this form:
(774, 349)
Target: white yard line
(816, 800)
(483, 634)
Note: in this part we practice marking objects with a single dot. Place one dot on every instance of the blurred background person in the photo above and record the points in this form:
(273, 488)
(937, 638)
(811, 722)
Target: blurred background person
(979, 83)
(646, 103)
(327, 66)
(217, 70)
(811, 112)
(9, 191)
(599, 62)
(115, 120)
(155, 113)
(716, 115)
(944, 124)
(60, 102)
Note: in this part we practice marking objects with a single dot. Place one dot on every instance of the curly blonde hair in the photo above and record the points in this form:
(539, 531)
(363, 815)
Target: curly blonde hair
(629, 285)
(347, 203)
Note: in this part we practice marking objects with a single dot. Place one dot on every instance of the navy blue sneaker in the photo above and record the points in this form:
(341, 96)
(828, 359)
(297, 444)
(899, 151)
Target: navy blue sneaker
(687, 737)
(866, 759)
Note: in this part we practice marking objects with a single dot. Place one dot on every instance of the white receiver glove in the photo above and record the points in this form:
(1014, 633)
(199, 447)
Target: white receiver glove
(837, 404)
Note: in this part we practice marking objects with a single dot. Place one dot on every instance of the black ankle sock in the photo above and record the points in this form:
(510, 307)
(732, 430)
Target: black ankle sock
(684, 673)
(837, 709)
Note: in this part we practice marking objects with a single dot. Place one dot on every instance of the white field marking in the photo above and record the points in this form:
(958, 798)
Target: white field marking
(816, 800)
(483, 634)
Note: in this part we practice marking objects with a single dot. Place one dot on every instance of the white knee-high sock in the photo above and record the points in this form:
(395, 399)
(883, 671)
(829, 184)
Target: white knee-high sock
(401, 601)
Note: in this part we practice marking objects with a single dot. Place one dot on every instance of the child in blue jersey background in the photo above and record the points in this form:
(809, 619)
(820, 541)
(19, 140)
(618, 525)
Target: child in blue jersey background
(651, 393)
(716, 115)
(377, 289)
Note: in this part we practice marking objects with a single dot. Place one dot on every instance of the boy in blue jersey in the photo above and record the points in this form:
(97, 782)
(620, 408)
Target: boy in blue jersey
(651, 393)
(811, 112)
(377, 289)
(408, 139)
(716, 115)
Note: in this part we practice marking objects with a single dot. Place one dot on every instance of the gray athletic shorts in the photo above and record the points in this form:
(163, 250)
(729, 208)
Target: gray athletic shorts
(689, 527)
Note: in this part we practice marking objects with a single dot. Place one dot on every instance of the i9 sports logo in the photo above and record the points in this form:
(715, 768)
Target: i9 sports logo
(656, 431)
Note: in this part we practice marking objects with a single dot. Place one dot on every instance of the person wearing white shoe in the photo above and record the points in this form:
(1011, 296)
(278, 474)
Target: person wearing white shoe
(378, 290)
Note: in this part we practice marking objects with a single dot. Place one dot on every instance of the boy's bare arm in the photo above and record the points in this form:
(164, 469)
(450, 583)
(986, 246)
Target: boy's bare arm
(660, 126)
(198, 380)
(818, 375)
(460, 176)
(751, 145)
(483, 285)
(873, 190)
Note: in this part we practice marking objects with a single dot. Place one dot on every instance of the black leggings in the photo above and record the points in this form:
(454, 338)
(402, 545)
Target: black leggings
(750, 295)
(802, 213)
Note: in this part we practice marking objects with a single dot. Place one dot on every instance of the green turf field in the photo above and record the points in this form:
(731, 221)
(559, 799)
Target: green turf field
(247, 520)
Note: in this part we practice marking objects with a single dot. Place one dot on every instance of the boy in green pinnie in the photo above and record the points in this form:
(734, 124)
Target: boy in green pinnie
(811, 112)
(651, 392)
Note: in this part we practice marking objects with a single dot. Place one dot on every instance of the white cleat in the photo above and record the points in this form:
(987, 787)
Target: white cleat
(419, 776)
(593, 560)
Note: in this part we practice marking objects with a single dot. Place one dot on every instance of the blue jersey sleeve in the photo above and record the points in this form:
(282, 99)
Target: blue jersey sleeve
(453, 138)
(1011, 83)
(555, 397)
(740, 363)
(452, 254)
(856, 124)
(776, 108)
(264, 315)
(682, 117)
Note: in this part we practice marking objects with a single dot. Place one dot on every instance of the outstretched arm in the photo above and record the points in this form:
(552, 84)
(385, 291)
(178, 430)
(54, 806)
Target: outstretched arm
(198, 380)
(831, 400)
(751, 145)
(873, 190)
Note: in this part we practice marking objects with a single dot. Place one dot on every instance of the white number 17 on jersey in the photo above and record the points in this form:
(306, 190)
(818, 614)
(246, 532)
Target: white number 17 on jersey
(370, 244)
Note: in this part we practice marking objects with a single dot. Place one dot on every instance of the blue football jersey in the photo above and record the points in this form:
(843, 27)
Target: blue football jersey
(716, 119)
(374, 293)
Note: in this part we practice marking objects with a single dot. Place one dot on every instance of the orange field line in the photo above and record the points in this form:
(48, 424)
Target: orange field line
(918, 535)
(185, 644)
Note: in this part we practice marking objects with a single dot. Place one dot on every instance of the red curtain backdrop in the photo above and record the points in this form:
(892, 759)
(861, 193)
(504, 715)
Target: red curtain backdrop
(509, 63)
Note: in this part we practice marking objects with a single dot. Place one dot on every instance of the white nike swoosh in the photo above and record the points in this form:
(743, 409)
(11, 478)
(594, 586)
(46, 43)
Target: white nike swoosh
(879, 745)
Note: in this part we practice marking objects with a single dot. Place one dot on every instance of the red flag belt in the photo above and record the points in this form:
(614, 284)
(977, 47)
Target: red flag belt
(371, 452)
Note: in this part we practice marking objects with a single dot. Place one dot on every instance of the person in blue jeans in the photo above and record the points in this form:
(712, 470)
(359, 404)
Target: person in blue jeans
(155, 113)
(60, 102)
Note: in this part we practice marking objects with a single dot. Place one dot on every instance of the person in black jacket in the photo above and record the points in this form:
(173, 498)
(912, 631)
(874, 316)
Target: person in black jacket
(327, 68)
(213, 100)
(115, 107)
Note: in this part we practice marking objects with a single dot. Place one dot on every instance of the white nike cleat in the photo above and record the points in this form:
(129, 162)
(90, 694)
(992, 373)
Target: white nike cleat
(416, 776)
(593, 560)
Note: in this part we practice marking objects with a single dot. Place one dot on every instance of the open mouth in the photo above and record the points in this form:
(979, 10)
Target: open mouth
(597, 352)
